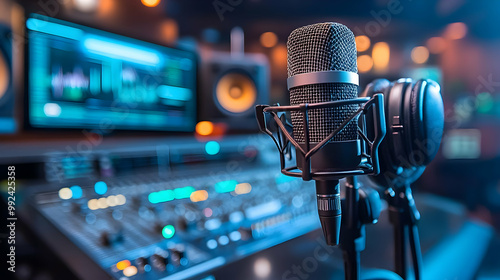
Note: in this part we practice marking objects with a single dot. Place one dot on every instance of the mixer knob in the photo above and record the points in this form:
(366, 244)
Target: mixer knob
(136, 201)
(159, 262)
(104, 239)
(182, 224)
(141, 263)
(76, 208)
(157, 227)
(177, 255)
(246, 233)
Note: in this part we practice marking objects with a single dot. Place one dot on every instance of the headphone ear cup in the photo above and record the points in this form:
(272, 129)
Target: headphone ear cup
(414, 131)
(377, 86)
(393, 151)
(426, 122)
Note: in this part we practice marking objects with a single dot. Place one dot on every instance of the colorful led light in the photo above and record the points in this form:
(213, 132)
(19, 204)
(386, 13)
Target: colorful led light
(168, 231)
(92, 204)
(65, 193)
(76, 191)
(243, 188)
(212, 148)
(181, 193)
(100, 187)
(204, 128)
(225, 186)
(198, 196)
(121, 265)
(130, 271)
(161, 196)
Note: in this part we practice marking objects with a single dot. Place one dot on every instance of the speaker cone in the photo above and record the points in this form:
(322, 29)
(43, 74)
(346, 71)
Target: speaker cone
(4, 75)
(236, 93)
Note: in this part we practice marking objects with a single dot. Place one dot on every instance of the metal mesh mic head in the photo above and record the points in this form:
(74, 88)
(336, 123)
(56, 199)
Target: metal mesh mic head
(322, 47)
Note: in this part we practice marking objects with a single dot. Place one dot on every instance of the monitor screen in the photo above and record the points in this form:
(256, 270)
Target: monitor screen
(79, 77)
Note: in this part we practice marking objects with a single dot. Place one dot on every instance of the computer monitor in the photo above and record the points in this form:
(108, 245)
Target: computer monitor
(80, 77)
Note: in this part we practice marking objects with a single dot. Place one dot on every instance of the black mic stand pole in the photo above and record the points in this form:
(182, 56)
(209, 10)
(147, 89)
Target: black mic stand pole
(403, 215)
(352, 231)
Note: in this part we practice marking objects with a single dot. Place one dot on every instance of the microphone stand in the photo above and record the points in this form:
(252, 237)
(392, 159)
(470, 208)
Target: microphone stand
(352, 232)
(404, 216)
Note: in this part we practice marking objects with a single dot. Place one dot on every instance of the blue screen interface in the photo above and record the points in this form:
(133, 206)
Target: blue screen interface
(81, 77)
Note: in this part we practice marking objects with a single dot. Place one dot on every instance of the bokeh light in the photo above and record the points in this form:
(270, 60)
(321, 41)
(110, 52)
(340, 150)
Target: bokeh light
(204, 128)
(65, 193)
(262, 268)
(212, 147)
(362, 43)
(169, 31)
(268, 39)
(86, 5)
(279, 56)
(365, 63)
(168, 231)
(150, 3)
(381, 54)
(420, 54)
(455, 31)
(436, 45)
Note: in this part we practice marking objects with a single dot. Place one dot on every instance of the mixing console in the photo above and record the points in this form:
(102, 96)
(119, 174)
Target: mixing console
(197, 219)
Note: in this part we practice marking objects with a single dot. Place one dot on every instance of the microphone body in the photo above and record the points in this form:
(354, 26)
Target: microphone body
(325, 48)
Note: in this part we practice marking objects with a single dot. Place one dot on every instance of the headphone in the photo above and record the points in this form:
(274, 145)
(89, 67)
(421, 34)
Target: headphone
(414, 117)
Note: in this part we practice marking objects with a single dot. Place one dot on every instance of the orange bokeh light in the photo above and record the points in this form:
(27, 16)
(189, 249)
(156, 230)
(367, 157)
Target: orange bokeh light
(279, 56)
(204, 128)
(362, 43)
(420, 54)
(268, 39)
(169, 30)
(365, 63)
(381, 55)
(121, 265)
(150, 3)
(436, 45)
(455, 31)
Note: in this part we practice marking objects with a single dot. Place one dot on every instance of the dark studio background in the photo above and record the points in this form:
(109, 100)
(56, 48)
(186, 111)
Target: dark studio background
(453, 42)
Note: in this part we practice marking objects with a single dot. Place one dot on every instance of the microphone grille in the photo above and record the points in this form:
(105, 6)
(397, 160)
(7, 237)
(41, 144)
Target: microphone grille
(322, 47)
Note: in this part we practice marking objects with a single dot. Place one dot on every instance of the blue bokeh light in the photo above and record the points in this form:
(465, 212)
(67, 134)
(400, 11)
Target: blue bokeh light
(212, 147)
(100, 187)
(76, 191)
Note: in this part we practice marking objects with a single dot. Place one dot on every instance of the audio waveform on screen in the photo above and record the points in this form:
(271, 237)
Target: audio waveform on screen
(70, 85)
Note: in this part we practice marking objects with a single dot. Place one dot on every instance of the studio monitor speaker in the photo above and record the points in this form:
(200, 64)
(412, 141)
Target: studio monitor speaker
(7, 124)
(230, 88)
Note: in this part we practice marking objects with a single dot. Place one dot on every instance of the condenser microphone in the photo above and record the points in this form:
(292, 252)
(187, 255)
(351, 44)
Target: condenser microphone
(322, 68)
